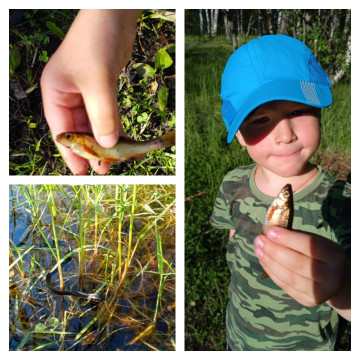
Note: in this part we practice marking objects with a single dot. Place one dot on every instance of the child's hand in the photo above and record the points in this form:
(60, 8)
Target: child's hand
(78, 84)
(310, 268)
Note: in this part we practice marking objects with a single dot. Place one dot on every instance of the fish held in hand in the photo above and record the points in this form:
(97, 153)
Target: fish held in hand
(85, 145)
(280, 213)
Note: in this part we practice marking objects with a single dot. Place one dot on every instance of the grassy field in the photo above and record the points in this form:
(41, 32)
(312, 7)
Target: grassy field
(207, 159)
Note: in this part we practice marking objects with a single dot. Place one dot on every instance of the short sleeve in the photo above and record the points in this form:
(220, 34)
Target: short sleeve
(221, 217)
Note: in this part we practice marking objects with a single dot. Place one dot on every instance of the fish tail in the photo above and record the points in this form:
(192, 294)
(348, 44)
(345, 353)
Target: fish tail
(167, 139)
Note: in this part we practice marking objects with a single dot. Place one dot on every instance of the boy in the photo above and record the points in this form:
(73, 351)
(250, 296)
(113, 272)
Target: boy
(272, 92)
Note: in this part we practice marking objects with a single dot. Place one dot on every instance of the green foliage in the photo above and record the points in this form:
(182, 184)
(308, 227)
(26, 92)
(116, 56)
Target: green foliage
(163, 16)
(14, 59)
(142, 118)
(144, 70)
(162, 60)
(55, 30)
(336, 125)
(43, 56)
(33, 44)
(163, 94)
(148, 73)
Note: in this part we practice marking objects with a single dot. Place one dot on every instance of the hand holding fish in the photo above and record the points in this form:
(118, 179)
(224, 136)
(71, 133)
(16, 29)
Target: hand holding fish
(310, 268)
(78, 83)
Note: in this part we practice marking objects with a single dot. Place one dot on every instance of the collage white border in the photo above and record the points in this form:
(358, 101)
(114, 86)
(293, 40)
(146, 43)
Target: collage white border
(178, 179)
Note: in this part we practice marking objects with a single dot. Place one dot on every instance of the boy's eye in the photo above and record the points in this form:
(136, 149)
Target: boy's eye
(261, 120)
(300, 112)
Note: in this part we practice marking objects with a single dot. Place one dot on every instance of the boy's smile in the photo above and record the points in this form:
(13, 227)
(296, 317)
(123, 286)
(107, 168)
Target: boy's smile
(281, 136)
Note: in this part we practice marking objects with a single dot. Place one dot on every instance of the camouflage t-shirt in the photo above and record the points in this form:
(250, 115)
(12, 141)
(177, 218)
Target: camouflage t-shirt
(260, 315)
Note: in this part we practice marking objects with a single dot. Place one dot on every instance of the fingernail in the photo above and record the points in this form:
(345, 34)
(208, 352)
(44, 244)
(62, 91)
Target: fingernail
(108, 140)
(258, 252)
(259, 242)
(272, 233)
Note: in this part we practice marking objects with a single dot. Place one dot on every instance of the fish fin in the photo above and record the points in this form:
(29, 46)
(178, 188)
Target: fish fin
(110, 160)
(136, 157)
(271, 213)
(168, 139)
(90, 151)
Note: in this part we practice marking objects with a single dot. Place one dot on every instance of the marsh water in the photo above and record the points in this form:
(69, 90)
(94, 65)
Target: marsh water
(119, 242)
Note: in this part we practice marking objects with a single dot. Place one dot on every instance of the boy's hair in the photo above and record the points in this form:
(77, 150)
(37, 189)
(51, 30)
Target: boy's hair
(273, 67)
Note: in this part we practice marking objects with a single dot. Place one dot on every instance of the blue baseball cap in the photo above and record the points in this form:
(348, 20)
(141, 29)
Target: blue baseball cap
(272, 67)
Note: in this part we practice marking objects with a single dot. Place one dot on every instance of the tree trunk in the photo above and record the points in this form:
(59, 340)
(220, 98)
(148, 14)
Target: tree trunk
(201, 18)
(248, 29)
(227, 25)
(207, 22)
(339, 74)
(230, 27)
(333, 26)
(269, 22)
(240, 22)
(214, 21)
(284, 26)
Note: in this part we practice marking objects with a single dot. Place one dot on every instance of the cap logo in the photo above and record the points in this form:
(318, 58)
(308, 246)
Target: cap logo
(309, 92)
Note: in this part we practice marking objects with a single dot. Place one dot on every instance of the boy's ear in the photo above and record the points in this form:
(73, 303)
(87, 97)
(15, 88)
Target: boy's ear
(240, 138)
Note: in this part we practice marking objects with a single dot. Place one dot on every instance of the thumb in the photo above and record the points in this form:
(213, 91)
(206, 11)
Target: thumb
(101, 106)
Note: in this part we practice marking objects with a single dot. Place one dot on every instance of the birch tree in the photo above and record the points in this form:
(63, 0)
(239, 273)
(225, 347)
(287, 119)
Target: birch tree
(214, 14)
(201, 20)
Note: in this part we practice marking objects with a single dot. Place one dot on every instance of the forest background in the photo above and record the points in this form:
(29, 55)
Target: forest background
(210, 38)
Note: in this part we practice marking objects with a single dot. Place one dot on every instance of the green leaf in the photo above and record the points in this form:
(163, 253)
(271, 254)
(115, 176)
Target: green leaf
(162, 60)
(55, 30)
(142, 118)
(44, 56)
(172, 121)
(163, 97)
(40, 327)
(30, 89)
(54, 322)
(170, 48)
(167, 15)
(144, 70)
(14, 59)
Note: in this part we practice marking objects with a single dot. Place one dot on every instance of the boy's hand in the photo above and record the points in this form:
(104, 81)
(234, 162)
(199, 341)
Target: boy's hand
(79, 82)
(310, 268)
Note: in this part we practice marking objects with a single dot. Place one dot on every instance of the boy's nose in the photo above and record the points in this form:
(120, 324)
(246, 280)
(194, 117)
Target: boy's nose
(284, 132)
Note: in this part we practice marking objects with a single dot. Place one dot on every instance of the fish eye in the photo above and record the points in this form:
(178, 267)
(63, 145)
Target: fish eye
(68, 136)
(286, 194)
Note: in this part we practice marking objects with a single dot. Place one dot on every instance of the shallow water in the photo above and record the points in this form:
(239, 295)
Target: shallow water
(42, 320)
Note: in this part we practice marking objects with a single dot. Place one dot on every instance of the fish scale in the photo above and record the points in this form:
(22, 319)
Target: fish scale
(280, 213)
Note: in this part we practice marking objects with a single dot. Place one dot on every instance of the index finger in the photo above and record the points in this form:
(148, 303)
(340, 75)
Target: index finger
(312, 245)
(61, 119)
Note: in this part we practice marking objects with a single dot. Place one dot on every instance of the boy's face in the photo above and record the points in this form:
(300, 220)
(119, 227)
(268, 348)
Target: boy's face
(281, 136)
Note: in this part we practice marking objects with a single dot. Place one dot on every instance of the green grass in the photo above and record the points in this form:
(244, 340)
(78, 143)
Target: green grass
(122, 239)
(335, 124)
(207, 159)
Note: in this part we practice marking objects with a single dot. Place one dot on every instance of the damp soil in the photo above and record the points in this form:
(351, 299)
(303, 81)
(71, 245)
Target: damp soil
(338, 166)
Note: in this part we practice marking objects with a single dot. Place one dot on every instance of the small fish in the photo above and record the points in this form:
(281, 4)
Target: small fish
(280, 213)
(86, 146)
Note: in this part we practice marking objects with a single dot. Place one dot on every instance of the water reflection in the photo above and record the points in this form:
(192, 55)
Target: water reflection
(121, 240)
